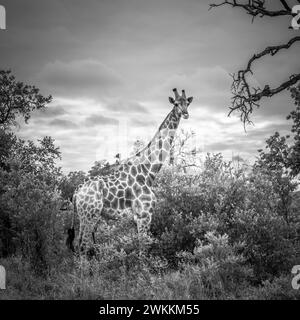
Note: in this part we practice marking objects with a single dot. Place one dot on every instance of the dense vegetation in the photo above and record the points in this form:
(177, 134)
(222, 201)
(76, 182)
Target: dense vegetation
(221, 230)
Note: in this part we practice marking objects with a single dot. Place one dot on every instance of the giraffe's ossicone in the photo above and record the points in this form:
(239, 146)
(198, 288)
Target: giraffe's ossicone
(127, 190)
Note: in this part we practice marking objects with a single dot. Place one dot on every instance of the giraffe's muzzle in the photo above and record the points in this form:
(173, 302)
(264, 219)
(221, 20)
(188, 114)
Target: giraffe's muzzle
(185, 115)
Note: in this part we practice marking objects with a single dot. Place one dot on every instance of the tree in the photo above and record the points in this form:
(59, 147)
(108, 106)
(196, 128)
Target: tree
(7, 140)
(99, 168)
(281, 154)
(39, 159)
(275, 157)
(30, 220)
(29, 200)
(18, 99)
(294, 156)
(183, 151)
(69, 183)
(138, 145)
(281, 159)
(273, 163)
(244, 97)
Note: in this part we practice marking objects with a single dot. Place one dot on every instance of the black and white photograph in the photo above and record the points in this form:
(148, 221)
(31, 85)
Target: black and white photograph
(149, 150)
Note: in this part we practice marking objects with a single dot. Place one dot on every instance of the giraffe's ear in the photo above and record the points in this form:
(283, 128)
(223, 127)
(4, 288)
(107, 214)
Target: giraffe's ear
(171, 100)
(190, 99)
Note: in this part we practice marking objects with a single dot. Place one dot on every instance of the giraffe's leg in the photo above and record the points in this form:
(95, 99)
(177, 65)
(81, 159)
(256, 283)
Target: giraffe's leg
(93, 236)
(143, 215)
(95, 227)
(82, 237)
(95, 219)
(143, 225)
(87, 239)
(88, 225)
(84, 214)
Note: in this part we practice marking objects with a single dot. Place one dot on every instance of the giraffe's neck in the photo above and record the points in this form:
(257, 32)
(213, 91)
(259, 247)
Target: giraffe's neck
(158, 149)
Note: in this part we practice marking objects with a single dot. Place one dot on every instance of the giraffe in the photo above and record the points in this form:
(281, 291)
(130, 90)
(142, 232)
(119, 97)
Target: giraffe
(127, 190)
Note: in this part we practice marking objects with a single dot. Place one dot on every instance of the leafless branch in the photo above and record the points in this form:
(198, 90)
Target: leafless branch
(246, 98)
(256, 8)
(285, 5)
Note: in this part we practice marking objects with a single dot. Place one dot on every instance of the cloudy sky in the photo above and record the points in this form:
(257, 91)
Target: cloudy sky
(111, 64)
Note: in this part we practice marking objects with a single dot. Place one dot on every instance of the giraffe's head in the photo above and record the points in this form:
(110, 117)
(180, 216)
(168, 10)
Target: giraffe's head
(181, 103)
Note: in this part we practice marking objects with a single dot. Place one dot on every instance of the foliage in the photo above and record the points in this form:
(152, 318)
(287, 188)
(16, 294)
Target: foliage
(245, 206)
(138, 145)
(69, 183)
(275, 158)
(99, 168)
(18, 99)
(39, 159)
(218, 269)
(7, 140)
(29, 203)
(294, 156)
(278, 289)
(281, 154)
(217, 234)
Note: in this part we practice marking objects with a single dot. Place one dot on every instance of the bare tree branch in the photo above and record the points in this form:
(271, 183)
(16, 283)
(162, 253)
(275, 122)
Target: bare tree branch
(246, 98)
(256, 8)
(285, 5)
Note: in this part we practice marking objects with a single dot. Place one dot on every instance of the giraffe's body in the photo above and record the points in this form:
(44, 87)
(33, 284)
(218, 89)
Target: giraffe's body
(127, 190)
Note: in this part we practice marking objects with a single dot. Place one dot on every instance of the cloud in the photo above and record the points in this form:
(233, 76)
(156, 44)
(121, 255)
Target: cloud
(49, 112)
(94, 119)
(237, 145)
(79, 78)
(124, 57)
(64, 124)
(278, 106)
(126, 106)
(142, 122)
(246, 142)
(210, 86)
(268, 129)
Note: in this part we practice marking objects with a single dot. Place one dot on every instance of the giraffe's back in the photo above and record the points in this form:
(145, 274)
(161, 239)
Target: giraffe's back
(116, 194)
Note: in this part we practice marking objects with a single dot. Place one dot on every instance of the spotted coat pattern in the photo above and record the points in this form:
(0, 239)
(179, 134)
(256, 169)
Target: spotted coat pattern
(127, 191)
